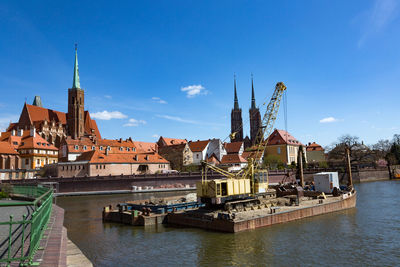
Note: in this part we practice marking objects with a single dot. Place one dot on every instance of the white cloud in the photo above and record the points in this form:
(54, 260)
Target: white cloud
(108, 96)
(134, 123)
(382, 13)
(194, 90)
(328, 120)
(155, 136)
(174, 118)
(159, 100)
(108, 115)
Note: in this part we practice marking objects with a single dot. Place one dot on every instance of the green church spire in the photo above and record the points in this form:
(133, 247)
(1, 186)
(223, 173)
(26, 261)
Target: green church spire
(76, 83)
(236, 102)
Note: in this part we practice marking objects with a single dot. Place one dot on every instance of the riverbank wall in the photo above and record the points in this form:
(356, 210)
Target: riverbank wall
(56, 248)
(107, 184)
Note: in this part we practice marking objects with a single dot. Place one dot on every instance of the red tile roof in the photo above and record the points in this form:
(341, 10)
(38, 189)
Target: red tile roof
(232, 158)
(97, 157)
(7, 148)
(198, 146)
(233, 147)
(171, 141)
(314, 147)
(37, 116)
(26, 141)
(40, 114)
(146, 146)
(213, 159)
(128, 146)
(279, 137)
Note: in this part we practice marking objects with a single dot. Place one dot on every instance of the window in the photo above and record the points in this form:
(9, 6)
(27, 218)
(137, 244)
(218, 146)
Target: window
(101, 148)
(197, 156)
(15, 143)
(134, 149)
(26, 161)
(121, 149)
(38, 161)
(97, 167)
(108, 148)
(128, 149)
(84, 147)
(62, 167)
(279, 150)
(76, 147)
(93, 148)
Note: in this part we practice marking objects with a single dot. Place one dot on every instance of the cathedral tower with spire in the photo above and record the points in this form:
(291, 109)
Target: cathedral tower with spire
(236, 119)
(255, 116)
(76, 100)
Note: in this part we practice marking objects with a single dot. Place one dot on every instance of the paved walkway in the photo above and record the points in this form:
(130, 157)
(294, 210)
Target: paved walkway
(16, 231)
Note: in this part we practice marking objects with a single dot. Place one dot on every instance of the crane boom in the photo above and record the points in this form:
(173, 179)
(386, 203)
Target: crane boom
(269, 119)
(217, 189)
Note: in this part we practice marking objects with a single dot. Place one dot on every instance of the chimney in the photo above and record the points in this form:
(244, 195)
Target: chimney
(32, 132)
(120, 140)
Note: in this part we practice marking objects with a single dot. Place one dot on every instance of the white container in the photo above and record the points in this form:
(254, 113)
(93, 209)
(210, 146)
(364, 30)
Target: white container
(326, 181)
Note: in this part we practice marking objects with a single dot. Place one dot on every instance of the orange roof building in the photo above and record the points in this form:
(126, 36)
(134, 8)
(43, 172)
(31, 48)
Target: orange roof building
(283, 145)
(54, 126)
(315, 152)
(34, 150)
(96, 163)
(164, 141)
(199, 149)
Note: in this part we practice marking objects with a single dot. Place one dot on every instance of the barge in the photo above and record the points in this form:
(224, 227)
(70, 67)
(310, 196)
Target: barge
(261, 216)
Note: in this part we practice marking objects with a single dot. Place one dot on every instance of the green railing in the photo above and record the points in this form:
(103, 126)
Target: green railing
(24, 235)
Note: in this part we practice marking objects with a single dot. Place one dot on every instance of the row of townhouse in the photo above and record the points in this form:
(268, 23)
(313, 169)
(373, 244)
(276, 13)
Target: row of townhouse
(281, 144)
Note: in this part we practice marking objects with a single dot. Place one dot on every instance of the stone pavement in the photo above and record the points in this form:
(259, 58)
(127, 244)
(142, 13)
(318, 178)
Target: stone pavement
(16, 236)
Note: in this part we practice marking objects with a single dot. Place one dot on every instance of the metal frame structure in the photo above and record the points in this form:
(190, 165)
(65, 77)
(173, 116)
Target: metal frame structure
(265, 131)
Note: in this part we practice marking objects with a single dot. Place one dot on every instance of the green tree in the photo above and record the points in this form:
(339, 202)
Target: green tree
(272, 162)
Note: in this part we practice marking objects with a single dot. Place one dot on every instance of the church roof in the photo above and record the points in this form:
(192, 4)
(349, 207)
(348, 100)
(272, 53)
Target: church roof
(37, 113)
(75, 81)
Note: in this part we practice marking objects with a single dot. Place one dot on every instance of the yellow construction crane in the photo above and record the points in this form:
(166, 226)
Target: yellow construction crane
(250, 180)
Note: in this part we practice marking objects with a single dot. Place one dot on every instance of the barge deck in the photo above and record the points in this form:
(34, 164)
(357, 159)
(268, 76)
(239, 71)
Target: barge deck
(261, 216)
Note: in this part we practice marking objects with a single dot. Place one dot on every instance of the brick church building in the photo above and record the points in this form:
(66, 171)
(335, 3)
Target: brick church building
(237, 121)
(55, 126)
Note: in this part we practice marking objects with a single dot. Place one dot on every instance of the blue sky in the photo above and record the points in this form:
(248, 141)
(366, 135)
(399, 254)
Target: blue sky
(166, 67)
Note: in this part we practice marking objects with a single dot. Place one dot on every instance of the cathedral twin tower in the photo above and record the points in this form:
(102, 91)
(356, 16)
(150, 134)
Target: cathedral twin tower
(237, 122)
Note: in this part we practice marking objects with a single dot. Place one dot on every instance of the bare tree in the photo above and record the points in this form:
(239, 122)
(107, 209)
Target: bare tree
(359, 152)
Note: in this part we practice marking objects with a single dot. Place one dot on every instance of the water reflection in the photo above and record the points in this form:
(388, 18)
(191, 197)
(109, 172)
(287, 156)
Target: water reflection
(366, 235)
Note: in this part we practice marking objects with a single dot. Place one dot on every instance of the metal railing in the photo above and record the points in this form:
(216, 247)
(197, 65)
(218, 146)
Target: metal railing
(24, 235)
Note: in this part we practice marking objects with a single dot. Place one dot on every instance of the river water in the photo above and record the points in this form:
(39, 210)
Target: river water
(368, 235)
